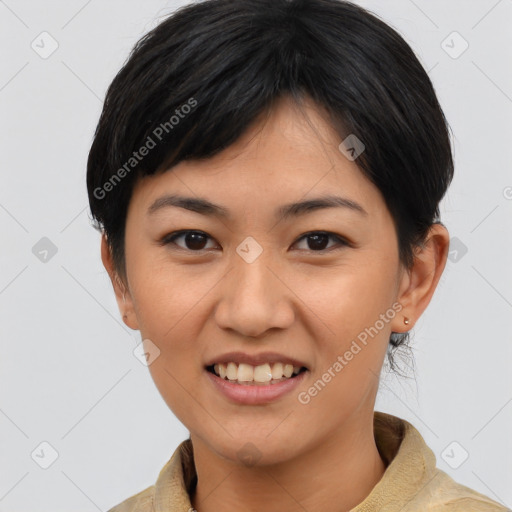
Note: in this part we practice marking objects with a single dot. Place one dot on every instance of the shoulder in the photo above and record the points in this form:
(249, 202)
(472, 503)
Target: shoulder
(412, 481)
(443, 494)
(140, 502)
(171, 490)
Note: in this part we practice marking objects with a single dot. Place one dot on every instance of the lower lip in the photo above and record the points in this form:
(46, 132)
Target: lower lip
(255, 394)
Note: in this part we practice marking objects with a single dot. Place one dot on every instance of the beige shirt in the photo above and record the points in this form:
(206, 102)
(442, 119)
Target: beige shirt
(411, 482)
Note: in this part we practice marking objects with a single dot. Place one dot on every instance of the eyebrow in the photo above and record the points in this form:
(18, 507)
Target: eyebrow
(205, 207)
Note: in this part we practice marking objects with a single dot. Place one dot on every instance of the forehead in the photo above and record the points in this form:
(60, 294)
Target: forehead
(290, 154)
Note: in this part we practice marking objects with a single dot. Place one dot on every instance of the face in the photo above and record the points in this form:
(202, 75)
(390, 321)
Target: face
(255, 280)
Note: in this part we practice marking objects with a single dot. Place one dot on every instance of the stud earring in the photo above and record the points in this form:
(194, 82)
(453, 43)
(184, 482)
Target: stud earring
(406, 321)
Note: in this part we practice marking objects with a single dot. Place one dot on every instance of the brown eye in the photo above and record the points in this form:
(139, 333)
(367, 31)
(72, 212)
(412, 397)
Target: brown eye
(318, 240)
(192, 240)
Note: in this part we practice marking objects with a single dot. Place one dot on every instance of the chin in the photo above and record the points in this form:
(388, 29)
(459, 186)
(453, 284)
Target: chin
(257, 450)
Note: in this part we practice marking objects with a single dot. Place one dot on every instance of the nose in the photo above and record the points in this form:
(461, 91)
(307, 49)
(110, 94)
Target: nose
(254, 298)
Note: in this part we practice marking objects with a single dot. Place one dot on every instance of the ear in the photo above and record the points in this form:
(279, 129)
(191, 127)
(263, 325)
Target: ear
(123, 297)
(417, 285)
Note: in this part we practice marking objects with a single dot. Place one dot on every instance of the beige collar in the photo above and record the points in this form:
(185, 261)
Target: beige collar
(411, 465)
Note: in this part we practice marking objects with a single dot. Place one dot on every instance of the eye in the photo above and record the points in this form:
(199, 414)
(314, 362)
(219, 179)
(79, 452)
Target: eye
(192, 240)
(195, 241)
(318, 240)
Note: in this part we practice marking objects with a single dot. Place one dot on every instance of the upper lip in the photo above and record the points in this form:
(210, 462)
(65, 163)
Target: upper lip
(254, 359)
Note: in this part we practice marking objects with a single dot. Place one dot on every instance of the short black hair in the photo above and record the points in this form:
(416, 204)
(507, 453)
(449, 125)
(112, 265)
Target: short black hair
(195, 83)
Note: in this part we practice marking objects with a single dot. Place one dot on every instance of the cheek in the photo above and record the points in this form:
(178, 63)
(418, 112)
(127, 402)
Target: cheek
(352, 344)
(349, 303)
(168, 308)
(177, 385)
(167, 297)
(349, 298)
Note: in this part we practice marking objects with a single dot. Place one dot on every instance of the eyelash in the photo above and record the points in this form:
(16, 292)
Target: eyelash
(171, 237)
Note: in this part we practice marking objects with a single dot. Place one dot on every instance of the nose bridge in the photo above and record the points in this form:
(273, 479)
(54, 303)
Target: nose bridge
(253, 299)
(251, 272)
(252, 276)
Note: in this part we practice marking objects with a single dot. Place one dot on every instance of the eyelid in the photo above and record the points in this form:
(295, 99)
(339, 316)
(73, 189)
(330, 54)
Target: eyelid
(341, 242)
(169, 238)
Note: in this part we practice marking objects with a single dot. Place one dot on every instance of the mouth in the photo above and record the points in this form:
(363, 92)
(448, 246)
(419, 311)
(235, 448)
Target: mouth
(261, 375)
(261, 384)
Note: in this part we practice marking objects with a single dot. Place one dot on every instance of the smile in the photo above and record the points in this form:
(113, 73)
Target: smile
(247, 374)
(252, 392)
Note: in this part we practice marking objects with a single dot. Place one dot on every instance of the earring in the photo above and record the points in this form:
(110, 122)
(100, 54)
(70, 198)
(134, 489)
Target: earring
(406, 321)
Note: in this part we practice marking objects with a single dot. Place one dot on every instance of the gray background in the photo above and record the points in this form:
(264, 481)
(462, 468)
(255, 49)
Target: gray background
(68, 376)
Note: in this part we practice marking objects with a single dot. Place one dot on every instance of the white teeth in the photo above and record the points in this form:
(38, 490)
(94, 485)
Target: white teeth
(277, 370)
(263, 373)
(245, 372)
(232, 371)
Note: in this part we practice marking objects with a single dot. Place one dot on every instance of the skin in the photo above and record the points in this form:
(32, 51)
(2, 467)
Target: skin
(306, 303)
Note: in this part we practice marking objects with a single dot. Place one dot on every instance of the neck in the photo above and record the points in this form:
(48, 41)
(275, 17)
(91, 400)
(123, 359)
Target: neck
(341, 470)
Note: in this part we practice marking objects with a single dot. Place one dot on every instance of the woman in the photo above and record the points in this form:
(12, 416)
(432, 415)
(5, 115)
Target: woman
(267, 176)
